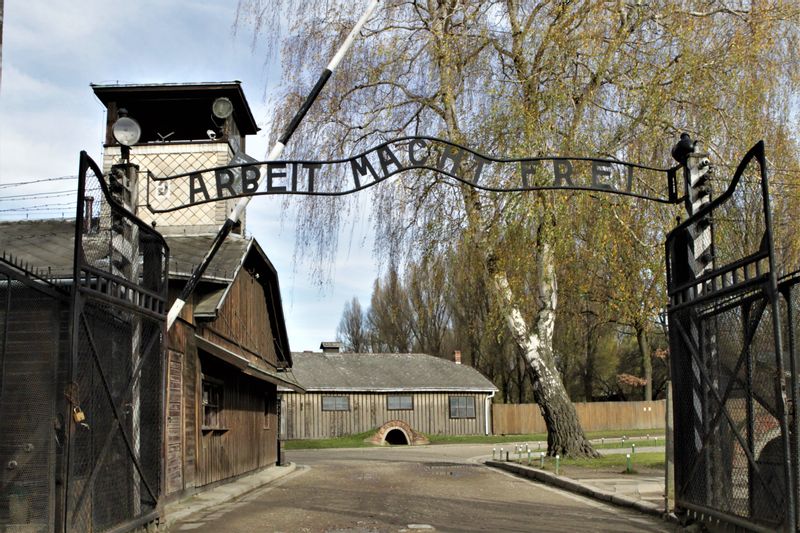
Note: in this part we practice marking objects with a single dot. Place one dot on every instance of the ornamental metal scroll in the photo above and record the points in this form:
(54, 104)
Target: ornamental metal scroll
(248, 177)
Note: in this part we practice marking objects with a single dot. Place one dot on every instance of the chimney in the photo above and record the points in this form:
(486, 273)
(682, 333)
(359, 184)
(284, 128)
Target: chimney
(87, 214)
(331, 347)
(457, 356)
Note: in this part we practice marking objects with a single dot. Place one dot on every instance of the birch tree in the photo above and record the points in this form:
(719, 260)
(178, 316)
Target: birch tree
(522, 78)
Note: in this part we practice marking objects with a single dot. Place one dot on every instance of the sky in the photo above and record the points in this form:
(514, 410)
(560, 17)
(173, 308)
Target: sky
(53, 50)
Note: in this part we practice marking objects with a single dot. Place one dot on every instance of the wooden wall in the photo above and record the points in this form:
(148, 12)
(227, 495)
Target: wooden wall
(243, 322)
(304, 418)
(196, 457)
(518, 419)
(245, 444)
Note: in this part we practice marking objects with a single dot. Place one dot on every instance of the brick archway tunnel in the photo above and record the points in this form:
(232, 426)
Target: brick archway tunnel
(398, 432)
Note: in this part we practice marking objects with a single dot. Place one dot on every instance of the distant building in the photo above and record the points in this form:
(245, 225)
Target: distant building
(349, 393)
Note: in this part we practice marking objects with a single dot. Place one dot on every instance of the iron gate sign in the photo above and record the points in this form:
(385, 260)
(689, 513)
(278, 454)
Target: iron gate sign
(344, 176)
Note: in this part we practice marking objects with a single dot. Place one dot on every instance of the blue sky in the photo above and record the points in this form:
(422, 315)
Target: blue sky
(53, 50)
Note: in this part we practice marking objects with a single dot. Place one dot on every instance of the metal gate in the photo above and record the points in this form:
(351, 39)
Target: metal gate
(115, 381)
(730, 368)
(33, 348)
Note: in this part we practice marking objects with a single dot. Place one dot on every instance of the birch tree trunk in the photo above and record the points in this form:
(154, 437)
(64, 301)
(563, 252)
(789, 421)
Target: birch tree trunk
(564, 433)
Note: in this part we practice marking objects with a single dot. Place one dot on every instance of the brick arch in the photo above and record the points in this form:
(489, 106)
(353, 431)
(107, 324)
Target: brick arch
(412, 437)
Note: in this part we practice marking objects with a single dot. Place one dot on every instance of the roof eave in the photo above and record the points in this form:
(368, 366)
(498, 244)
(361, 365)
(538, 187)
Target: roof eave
(105, 93)
(400, 389)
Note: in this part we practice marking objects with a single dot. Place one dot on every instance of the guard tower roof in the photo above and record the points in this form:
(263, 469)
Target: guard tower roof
(187, 106)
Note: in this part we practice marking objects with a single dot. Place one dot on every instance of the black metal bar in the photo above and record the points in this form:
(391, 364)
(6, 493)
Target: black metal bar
(792, 323)
(309, 101)
(702, 299)
(703, 362)
(5, 336)
(74, 325)
(132, 525)
(725, 517)
(732, 303)
(791, 488)
(120, 302)
(754, 152)
(740, 263)
(751, 415)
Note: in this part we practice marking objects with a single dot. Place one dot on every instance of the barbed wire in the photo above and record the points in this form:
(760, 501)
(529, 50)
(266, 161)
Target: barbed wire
(41, 180)
(33, 195)
(45, 207)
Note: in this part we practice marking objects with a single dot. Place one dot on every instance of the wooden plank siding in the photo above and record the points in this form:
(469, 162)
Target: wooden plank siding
(191, 378)
(242, 325)
(174, 433)
(201, 457)
(519, 419)
(246, 441)
(303, 417)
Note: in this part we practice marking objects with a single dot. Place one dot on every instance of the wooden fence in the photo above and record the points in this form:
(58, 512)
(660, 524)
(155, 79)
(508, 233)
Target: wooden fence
(517, 419)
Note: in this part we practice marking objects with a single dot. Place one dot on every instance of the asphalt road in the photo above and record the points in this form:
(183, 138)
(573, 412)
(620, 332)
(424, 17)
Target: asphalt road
(432, 488)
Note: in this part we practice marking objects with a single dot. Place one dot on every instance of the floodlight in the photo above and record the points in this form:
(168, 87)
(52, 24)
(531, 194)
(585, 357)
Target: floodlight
(126, 131)
(222, 107)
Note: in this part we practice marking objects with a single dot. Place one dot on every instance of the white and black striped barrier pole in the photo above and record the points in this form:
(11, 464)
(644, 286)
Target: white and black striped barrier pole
(274, 154)
(700, 255)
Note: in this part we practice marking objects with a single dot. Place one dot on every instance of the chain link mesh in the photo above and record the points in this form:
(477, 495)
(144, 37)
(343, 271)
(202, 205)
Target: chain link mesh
(171, 159)
(33, 347)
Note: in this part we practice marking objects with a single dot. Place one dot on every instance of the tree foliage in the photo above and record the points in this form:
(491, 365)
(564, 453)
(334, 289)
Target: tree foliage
(617, 79)
(353, 331)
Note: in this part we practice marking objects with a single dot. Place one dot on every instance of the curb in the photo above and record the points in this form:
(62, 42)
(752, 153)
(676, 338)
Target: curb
(224, 493)
(579, 488)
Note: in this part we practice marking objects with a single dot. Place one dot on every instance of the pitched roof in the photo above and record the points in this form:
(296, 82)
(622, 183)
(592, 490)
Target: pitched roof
(235, 253)
(373, 372)
(49, 244)
(188, 251)
(46, 245)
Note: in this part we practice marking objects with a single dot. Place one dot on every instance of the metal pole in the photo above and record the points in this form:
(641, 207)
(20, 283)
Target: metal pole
(669, 473)
(274, 154)
(774, 298)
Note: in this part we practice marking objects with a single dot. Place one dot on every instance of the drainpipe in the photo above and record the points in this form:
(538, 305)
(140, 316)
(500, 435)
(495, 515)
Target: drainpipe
(489, 412)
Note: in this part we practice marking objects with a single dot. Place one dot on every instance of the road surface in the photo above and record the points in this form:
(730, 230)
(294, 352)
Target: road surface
(430, 488)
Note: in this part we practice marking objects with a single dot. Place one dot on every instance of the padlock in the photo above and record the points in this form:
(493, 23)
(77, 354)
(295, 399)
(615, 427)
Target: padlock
(77, 415)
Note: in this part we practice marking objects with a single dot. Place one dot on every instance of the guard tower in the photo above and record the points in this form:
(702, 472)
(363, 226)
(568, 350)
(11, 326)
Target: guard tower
(184, 127)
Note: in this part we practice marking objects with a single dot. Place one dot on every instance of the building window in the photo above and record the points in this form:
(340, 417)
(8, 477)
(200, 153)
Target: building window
(335, 403)
(399, 402)
(462, 407)
(212, 405)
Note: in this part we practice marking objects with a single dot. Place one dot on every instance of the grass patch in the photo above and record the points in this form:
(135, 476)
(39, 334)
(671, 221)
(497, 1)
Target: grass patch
(348, 441)
(639, 443)
(357, 441)
(615, 462)
(534, 437)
